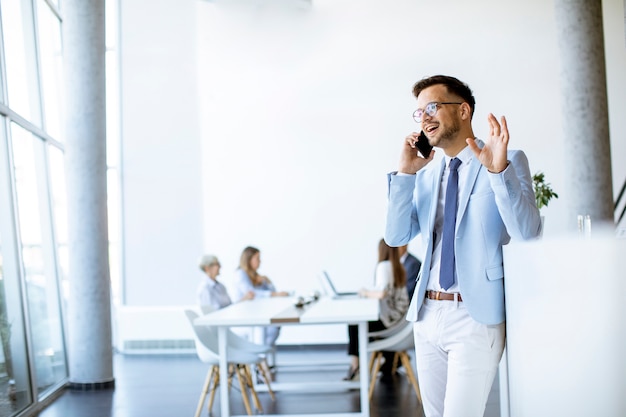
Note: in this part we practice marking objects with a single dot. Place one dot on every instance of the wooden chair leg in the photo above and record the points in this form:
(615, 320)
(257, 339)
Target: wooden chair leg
(231, 371)
(267, 380)
(406, 362)
(377, 364)
(242, 384)
(216, 383)
(205, 390)
(250, 384)
(394, 365)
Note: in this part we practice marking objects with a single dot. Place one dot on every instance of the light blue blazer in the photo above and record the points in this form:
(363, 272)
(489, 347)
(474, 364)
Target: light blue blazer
(492, 209)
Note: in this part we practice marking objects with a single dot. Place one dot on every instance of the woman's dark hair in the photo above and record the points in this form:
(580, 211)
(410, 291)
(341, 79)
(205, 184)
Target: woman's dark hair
(387, 253)
(453, 85)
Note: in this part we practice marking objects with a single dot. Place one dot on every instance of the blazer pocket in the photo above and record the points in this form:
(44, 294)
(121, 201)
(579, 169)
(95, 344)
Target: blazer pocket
(482, 194)
(495, 272)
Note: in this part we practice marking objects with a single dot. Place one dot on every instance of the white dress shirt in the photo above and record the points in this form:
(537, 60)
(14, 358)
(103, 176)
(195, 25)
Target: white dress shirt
(212, 293)
(433, 282)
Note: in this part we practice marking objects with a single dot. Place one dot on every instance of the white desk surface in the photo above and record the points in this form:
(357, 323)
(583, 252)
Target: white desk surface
(259, 312)
(348, 310)
(265, 311)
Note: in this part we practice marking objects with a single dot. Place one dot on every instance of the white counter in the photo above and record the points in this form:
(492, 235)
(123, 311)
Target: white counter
(566, 327)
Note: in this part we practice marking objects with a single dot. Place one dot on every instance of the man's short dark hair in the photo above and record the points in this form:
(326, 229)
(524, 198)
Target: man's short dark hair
(453, 85)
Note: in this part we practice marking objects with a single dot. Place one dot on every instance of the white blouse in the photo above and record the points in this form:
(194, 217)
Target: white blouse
(395, 303)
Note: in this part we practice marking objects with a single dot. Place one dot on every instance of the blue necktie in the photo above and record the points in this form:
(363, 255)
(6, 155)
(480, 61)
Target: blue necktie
(446, 274)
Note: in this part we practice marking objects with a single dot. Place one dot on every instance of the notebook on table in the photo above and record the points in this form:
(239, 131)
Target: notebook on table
(333, 290)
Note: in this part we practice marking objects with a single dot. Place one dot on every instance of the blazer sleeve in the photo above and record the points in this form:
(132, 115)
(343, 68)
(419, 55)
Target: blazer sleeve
(515, 198)
(402, 223)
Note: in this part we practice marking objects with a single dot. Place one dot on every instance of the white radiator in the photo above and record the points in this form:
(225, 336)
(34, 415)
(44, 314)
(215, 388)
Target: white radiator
(153, 329)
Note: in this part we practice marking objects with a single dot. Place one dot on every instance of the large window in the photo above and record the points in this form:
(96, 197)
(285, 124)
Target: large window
(59, 209)
(15, 380)
(33, 225)
(38, 259)
(22, 81)
(33, 208)
(50, 57)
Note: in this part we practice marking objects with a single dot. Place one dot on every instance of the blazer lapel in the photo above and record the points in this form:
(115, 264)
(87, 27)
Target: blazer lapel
(473, 167)
(424, 273)
(435, 200)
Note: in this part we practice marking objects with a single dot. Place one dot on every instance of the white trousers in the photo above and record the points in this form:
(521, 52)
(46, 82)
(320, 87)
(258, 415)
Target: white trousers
(457, 359)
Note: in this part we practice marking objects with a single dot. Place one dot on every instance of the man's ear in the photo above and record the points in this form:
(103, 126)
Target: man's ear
(466, 111)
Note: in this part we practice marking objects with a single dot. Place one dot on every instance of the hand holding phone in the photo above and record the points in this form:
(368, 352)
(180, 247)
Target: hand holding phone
(422, 145)
(415, 154)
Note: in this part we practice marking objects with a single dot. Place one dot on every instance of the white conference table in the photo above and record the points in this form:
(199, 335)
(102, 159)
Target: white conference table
(282, 311)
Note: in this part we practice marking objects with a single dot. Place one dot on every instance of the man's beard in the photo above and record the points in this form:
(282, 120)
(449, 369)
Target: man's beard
(448, 135)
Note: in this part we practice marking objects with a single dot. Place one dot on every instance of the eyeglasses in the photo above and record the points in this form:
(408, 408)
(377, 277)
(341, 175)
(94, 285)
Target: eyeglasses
(430, 109)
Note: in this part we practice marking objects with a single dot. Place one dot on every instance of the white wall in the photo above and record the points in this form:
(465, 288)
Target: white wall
(303, 111)
(161, 164)
(301, 114)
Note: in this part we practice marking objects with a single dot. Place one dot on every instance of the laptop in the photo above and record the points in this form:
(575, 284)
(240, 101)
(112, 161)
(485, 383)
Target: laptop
(333, 291)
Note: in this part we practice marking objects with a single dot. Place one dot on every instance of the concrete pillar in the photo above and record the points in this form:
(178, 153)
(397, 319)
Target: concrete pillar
(589, 187)
(89, 310)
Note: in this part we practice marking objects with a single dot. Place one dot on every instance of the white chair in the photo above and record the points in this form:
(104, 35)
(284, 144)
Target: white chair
(241, 343)
(389, 331)
(208, 352)
(399, 342)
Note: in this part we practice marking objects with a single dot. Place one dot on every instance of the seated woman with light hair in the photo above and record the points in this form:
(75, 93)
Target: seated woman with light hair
(211, 293)
(248, 279)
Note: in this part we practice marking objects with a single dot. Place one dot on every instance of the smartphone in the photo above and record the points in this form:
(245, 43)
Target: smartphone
(423, 146)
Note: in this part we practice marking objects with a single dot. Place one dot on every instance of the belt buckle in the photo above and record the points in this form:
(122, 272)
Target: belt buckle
(438, 295)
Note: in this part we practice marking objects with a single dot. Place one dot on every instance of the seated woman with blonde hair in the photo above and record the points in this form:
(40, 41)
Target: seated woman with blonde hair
(247, 279)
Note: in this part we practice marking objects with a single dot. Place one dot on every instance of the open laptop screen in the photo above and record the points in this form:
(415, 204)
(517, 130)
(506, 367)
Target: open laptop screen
(332, 287)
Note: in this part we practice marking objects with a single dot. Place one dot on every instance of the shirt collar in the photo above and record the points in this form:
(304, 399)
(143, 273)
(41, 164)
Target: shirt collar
(465, 155)
(210, 282)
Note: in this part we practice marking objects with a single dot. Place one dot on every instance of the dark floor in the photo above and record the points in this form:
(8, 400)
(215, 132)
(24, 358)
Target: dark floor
(169, 386)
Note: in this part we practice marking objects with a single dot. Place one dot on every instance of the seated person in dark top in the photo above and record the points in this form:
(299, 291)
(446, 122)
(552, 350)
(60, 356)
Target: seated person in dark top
(412, 267)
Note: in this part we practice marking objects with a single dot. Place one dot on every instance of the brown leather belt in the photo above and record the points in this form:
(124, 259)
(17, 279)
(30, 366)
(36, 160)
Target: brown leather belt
(438, 295)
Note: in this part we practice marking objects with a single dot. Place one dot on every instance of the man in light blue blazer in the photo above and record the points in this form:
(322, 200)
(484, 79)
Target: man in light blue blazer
(464, 209)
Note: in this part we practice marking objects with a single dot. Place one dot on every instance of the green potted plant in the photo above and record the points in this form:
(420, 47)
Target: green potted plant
(543, 190)
(543, 194)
